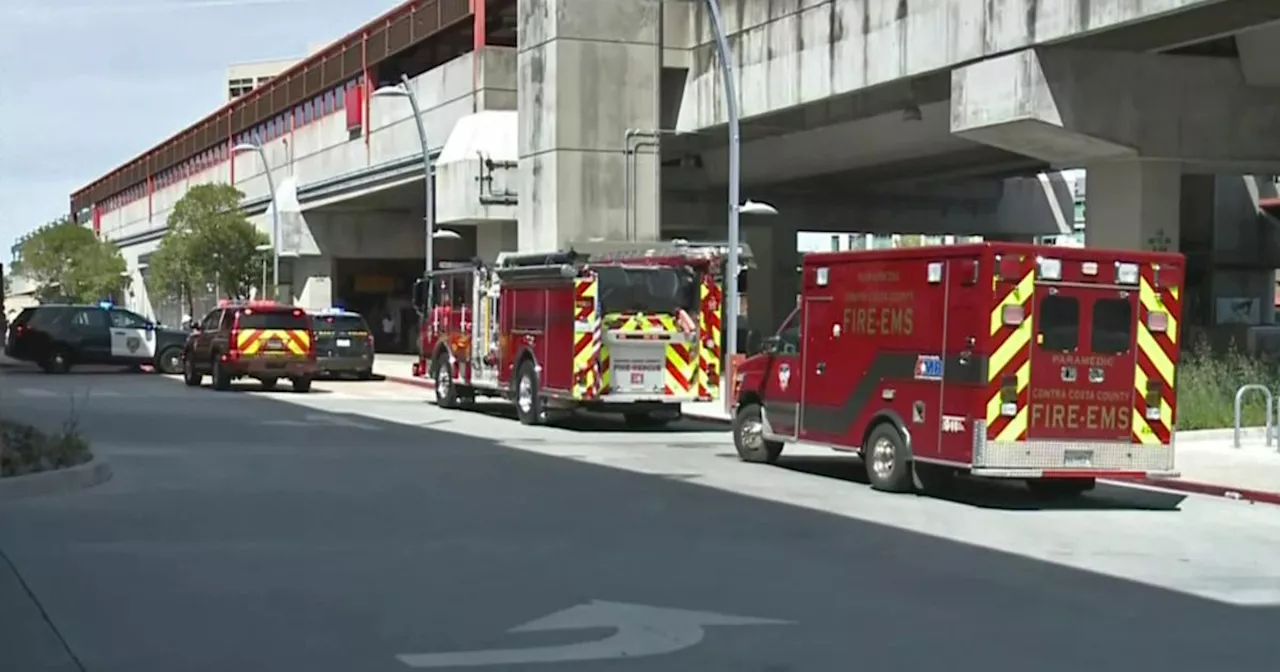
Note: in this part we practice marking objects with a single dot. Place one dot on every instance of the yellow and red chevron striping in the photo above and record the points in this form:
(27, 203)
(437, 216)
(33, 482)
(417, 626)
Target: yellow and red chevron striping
(709, 366)
(680, 369)
(1157, 359)
(1010, 358)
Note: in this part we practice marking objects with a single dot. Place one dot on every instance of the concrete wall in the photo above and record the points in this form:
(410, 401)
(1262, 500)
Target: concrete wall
(791, 52)
(588, 72)
(324, 150)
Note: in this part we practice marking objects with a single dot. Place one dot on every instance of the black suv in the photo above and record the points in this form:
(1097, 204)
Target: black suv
(344, 343)
(59, 336)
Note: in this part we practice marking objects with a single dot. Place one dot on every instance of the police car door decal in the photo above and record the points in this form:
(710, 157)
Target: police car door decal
(130, 337)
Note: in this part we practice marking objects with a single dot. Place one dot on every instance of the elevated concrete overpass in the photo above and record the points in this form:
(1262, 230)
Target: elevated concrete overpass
(860, 115)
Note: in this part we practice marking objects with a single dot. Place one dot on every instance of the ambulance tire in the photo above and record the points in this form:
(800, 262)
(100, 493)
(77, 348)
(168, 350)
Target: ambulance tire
(442, 383)
(755, 449)
(887, 460)
(221, 378)
(301, 385)
(530, 411)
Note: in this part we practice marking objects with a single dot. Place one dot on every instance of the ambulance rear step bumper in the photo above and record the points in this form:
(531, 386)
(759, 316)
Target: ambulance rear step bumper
(1070, 459)
(625, 398)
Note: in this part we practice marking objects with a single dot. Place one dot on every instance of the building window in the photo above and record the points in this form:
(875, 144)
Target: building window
(239, 87)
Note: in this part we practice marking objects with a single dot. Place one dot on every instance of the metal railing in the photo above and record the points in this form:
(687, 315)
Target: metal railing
(1240, 401)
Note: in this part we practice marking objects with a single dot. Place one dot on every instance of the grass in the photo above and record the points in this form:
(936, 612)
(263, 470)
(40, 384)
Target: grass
(1207, 384)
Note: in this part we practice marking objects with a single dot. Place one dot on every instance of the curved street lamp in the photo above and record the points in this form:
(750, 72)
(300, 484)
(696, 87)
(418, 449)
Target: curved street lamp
(275, 212)
(405, 90)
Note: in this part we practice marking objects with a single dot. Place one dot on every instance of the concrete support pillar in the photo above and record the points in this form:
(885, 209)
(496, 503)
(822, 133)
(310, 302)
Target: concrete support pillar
(312, 282)
(494, 238)
(1134, 204)
(587, 73)
(774, 283)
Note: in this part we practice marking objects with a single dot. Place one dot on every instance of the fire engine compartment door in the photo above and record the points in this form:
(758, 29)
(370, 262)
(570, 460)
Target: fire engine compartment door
(638, 361)
(1082, 363)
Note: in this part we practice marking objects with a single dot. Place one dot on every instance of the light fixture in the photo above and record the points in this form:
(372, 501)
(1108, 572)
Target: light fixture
(446, 234)
(756, 208)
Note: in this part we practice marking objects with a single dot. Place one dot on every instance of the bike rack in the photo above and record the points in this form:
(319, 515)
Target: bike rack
(1240, 400)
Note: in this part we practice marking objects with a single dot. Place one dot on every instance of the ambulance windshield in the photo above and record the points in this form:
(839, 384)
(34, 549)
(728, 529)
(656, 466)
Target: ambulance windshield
(647, 290)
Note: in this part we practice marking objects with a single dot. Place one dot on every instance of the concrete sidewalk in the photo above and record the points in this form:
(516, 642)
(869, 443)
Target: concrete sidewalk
(1207, 460)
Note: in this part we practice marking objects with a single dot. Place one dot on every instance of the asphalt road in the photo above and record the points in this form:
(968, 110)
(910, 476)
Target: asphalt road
(336, 531)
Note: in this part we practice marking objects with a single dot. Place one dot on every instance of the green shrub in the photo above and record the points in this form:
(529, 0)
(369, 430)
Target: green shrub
(26, 450)
(1207, 385)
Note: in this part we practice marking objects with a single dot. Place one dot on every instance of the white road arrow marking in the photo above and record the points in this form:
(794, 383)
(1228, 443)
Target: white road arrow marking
(639, 631)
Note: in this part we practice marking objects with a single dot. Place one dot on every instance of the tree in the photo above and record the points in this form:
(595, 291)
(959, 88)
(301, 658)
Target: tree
(210, 244)
(69, 261)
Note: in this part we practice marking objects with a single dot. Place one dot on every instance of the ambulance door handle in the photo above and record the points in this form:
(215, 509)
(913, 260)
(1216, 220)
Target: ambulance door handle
(965, 355)
(822, 366)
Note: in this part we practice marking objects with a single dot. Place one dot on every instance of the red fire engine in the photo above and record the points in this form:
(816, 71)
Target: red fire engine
(625, 327)
(1049, 364)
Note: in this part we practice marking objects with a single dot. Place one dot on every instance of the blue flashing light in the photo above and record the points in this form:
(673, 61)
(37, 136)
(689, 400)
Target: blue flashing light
(331, 310)
(106, 304)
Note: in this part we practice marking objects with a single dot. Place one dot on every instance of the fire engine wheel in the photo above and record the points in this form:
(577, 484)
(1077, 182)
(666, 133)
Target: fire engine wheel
(748, 436)
(446, 393)
(886, 459)
(528, 401)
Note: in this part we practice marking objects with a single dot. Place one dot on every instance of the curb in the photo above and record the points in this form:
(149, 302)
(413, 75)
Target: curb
(1175, 484)
(1198, 488)
(79, 477)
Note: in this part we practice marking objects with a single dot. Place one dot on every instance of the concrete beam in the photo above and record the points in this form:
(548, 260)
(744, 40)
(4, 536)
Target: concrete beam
(1260, 54)
(1071, 107)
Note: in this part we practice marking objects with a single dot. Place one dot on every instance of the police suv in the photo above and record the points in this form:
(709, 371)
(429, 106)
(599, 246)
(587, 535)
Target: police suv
(344, 343)
(59, 336)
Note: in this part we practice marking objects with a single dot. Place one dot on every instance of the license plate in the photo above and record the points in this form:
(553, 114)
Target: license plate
(637, 378)
(1078, 458)
(275, 345)
(344, 342)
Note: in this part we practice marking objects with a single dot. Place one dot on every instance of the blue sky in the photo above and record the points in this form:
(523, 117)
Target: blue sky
(89, 84)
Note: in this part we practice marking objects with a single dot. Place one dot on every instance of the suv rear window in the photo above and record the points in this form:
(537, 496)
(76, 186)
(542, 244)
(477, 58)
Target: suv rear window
(40, 318)
(1059, 323)
(1112, 326)
(273, 319)
(340, 323)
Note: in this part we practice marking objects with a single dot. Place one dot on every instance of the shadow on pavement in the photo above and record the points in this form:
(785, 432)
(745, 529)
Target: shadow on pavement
(992, 494)
(335, 548)
(589, 421)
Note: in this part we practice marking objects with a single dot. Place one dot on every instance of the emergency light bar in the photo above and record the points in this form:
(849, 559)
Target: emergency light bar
(1126, 273)
(1048, 269)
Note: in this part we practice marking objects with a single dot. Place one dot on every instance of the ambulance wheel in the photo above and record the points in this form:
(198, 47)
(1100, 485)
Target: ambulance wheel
(221, 377)
(446, 393)
(1060, 488)
(748, 436)
(528, 401)
(886, 460)
(169, 361)
(302, 384)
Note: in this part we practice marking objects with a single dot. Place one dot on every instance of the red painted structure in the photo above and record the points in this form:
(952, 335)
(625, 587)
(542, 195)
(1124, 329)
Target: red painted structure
(331, 81)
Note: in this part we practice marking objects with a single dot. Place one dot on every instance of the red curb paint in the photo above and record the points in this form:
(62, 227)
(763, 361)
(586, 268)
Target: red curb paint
(1176, 484)
(1224, 491)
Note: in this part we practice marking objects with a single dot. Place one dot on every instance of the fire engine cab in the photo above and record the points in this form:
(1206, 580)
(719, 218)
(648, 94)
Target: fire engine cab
(620, 327)
(1050, 364)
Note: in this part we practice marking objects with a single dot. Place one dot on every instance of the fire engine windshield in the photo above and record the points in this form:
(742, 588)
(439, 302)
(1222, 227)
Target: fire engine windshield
(647, 290)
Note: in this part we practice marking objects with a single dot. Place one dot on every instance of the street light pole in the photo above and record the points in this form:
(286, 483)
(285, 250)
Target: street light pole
(405, 90)
(735, 236)
(275, 213)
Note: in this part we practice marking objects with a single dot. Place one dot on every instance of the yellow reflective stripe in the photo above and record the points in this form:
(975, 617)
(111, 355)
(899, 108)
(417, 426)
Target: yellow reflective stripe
(1149, 347)
(1166, 412)
(1017, 425)
(1019, 339)
(994, 404)
(1152, 301)
(1142, 430)
(1015, 297)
